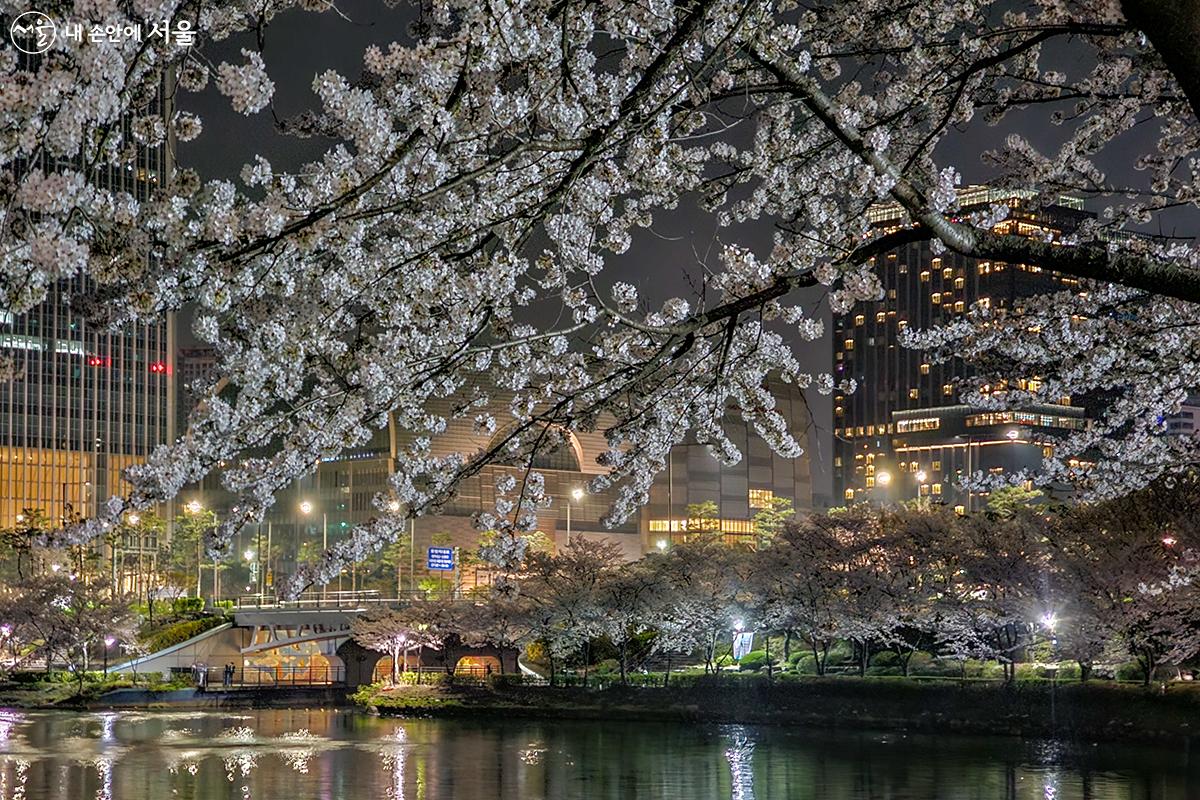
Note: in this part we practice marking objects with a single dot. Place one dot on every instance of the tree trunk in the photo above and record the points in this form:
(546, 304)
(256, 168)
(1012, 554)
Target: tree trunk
(1085, 671)
(767, 646)
(624, 650)
(587, 658)
(667, 675)
(818, 662)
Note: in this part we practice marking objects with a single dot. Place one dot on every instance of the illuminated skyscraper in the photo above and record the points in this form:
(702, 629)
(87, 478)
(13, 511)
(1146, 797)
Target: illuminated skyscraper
(83, 403)
(905, 432)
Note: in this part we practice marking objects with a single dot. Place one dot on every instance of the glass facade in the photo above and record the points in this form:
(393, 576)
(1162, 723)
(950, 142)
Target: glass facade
(83, 402)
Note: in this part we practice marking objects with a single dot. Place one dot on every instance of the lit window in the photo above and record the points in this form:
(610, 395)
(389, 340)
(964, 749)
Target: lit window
(913, 394)
(985, 302)
(859, 319)
(891, 294)
(837, 461)
(959, 283)
(948, 272)
(849, 344)
(924, 274)
(870, 481)
(1047, 452)
(936, 466)
(840, 411)
(924, 369)
(936, 298)
(761, 498)
(960, 510)
(849, 494)
(936, 488)
(959, 306)
(881, 317)
(901, 324)
(947, 389)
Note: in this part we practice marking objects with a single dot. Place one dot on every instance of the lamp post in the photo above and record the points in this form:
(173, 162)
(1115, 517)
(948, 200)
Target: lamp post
(920, 476)
(192, 508)
(306, 508)
(576, 495)
(108, 642)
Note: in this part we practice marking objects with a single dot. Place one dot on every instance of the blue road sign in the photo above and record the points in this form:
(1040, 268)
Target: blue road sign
(441, 558)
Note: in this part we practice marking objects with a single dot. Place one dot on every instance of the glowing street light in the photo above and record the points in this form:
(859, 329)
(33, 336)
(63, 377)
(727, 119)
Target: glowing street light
(1169, 540)
(662, 545)
(193, 507)
(883, 478)
(306, 508)
(109, 641)
(1049, 620)
(576, 495)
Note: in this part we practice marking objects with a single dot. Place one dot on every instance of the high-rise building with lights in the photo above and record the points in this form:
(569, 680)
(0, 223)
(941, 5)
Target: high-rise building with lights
(83, 403)
(905, 432)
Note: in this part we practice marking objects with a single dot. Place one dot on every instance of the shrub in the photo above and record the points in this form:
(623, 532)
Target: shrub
(180, 632)
(1130, 671)
(607, 667)
(805, 665)
(885, 658)
(753, 661)
(187, 605)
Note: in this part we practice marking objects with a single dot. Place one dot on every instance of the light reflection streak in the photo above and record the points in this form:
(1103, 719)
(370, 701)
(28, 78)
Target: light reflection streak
(740, 755)
(104, 769)
(394, 754)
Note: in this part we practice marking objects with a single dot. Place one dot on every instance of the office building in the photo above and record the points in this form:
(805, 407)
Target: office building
(906, 432)
(83, 403)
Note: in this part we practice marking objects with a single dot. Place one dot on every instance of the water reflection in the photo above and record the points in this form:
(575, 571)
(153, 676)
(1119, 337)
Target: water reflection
(740, 753)
(324, 753)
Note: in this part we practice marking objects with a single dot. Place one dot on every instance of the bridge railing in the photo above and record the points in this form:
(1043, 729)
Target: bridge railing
(334, 600)
(266, 677)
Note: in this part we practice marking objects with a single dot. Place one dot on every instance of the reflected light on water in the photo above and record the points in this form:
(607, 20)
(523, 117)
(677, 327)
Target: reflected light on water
(740, 755)
(8, 721)
(104, 770)
(393, 760)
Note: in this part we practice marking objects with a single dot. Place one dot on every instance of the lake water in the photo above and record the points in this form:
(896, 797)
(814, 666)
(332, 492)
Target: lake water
(329, 754)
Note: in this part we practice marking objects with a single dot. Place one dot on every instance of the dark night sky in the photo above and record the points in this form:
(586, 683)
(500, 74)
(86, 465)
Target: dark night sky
(300, 45)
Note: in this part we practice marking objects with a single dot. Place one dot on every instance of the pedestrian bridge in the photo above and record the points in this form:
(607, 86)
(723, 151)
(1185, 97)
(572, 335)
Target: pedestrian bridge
(274, 643)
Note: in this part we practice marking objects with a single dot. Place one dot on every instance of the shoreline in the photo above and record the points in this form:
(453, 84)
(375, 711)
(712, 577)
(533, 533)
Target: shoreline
(1079, 712)
(1082, 712)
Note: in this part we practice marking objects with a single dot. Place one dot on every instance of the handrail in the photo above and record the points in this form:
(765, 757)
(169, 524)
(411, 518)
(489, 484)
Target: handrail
(330, 600)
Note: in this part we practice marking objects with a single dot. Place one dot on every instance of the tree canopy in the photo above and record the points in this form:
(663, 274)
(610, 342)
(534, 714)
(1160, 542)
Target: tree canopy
(452, 240)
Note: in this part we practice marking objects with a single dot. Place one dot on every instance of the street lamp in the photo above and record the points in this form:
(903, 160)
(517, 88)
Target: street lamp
(920, 476)
(576, 495)
(662, 545)
(108, 642)
(193, 507)
(306, 508)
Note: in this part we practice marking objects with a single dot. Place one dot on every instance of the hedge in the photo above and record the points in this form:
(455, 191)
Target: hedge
(181, 632)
